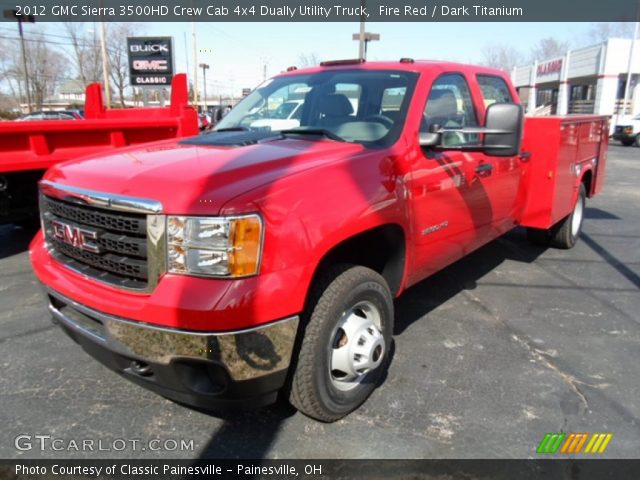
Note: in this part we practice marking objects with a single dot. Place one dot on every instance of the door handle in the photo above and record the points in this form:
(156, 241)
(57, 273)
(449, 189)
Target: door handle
(484, 169)
(524, 156)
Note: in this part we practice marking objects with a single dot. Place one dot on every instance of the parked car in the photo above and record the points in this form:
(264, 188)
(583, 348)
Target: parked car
(53, 115)
(230, 267)
(286, 115)
(627, 131)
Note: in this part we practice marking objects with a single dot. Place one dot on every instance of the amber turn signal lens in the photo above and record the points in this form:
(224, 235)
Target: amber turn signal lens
(246, 236)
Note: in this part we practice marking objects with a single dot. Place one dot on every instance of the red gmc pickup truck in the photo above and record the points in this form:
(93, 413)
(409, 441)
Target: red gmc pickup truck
(264, 257)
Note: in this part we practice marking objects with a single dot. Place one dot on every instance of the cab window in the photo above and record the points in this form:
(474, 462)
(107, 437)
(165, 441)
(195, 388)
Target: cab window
(494, 90)
(450, 106)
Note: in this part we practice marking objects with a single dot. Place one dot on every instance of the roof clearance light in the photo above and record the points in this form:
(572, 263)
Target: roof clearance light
(333, 63)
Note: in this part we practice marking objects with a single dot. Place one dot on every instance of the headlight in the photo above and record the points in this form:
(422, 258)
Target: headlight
(214, 246)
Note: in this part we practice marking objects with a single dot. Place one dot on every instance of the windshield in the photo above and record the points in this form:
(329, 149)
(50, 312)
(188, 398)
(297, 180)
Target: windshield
(362, 106)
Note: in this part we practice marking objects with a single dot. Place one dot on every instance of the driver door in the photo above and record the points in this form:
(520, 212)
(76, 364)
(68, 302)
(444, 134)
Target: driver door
(451, 209)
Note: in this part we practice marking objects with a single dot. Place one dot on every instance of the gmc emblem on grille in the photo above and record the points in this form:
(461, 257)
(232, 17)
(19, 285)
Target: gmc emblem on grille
(75, 236)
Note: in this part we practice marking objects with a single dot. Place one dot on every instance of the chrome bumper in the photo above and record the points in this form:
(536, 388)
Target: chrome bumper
(245, 354)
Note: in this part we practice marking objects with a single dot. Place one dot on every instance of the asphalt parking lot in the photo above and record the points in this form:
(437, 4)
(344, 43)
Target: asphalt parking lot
(506, 345)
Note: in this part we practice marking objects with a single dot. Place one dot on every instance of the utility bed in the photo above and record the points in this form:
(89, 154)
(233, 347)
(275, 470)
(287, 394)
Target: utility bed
(559, 149)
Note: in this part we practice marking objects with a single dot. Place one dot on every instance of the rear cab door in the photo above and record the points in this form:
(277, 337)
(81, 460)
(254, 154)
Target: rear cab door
(501, 177)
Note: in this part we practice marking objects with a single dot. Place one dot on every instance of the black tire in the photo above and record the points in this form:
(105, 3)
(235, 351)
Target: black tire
(627, 142)
(637, 141)
(565, 233)
(562, 234)
(315, 390)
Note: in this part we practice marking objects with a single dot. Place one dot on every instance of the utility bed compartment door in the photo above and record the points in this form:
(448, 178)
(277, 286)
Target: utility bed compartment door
(562, 150)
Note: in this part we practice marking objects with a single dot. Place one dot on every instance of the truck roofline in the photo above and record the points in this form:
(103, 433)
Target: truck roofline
(404, 64)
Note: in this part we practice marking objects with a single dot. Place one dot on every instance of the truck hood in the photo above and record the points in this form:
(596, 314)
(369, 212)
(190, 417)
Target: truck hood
(197, 179)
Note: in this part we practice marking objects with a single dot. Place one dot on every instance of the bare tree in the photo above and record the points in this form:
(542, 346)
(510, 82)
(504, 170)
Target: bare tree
(308, 59)
(85, 53)
(500, 56)
(549, 47)
(117, 52)
(46, 67)
(601, 32)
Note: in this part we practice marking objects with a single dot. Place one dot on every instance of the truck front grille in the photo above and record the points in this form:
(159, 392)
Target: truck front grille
(109, 246)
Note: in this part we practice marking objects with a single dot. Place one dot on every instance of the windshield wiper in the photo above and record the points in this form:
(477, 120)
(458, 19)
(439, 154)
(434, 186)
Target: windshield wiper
(313, 131)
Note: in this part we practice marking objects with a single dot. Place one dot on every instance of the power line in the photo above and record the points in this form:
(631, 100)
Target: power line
(51, 42)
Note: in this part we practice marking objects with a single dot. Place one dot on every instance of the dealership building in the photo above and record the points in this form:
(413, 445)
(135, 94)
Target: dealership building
(585, 80)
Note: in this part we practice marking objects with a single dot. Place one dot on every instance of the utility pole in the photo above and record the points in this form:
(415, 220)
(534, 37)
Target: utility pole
(364, 37)
(368, 37)
(30, 19)
(195, 66)
(204, 68)
(361, 41)
(105, 63)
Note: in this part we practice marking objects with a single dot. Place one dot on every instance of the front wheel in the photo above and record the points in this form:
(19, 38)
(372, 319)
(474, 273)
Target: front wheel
(344, 351)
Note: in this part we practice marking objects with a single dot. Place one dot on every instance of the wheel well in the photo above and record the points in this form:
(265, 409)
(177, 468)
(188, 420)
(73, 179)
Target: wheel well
(381, 249)
(586, 180)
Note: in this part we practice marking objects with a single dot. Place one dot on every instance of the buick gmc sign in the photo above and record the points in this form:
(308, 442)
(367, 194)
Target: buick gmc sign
(150, 60)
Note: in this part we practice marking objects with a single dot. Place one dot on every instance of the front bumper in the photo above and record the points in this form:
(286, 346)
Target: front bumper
(203, 369)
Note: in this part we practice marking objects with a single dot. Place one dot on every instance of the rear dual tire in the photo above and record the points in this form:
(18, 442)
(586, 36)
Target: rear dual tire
(566, 232)
(345, 347)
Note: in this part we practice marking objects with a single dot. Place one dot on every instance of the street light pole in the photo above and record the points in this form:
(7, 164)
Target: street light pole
(204, 68)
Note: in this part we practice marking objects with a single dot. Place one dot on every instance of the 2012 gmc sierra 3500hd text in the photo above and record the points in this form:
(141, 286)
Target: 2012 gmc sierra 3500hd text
(259, 259)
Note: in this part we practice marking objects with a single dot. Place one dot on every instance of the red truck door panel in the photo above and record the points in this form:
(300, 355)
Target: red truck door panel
(445, 210)
(502, 180)
(452, 209)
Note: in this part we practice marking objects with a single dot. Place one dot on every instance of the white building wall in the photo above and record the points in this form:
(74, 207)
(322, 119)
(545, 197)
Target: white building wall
(606, 62)
(522, 76)
(585, 62)
(617, 58)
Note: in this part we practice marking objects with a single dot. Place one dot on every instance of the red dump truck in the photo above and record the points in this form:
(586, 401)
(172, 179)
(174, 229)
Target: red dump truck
(27, 149)
(263, 258)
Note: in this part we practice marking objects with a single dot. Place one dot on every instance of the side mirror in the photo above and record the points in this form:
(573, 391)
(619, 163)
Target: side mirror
(507, 119)
(502, 133)
(429, 139)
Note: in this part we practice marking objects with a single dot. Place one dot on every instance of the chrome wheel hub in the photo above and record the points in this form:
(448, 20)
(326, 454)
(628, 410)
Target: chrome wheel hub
(357, 346)
(576, 220)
